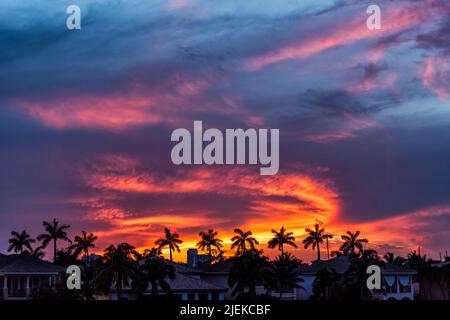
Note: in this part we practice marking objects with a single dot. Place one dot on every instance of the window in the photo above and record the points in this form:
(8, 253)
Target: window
(390, 284)
(405, 284)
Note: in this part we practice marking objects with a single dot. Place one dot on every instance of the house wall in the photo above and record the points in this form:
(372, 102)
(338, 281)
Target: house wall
(220, 280)
(307, 284)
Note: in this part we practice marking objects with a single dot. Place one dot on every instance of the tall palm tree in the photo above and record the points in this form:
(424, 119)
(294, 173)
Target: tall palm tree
(171, 240)
(328, 236)
(286, 273)
(315, 238)
(19, 241)
(281, 238)
(119, 266)
(351, 243)
(83, 243)
(209, 241)
(241, 240)
(54, 232)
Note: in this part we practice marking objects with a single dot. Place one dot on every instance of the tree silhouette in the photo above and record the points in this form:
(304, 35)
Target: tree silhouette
(324, 283)
(390, 258)
(351, 243)
(247, 271)
(156, 272)
(36, 252)
(315, 238)
(152, 252)
(66, 257)
(241, 240)
(19, 241)
(209, 241)
(171, 240)
(54, 232)
(281, 238)
(119, 266)
(83, 243)
(286, 273)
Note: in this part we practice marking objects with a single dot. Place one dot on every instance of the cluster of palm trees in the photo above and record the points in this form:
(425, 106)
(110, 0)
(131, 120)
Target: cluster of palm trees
(122, 265)
(242, 242)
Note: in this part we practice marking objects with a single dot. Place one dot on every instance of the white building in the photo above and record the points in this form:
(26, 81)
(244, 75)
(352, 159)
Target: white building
(396, 280)
(20, 275)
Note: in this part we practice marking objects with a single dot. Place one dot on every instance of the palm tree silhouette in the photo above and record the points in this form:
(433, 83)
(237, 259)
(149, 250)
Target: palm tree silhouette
(19, 241)
(119, 266)
(209, 241)
(390, 258)
(153, 252)
(66, 257)
(171, 240)
(156, 271)
(324, 283)
(36, 252)
(83, 243)
(328, 236)
(281, 238)
(241, 240)
(217, 256)
(351, 243)
(315, 238)
(54, 232)
(247, 271)
(286, 273)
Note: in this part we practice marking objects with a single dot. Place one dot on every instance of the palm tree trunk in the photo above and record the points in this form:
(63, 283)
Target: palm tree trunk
(328, 251)
(318, 252)
(282, 249)
(54, 250)
(170, 251)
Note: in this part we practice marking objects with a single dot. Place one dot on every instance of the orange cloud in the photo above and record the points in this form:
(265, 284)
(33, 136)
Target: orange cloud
(394, 20)
(316, 200)
(92, 111)
(292, 200)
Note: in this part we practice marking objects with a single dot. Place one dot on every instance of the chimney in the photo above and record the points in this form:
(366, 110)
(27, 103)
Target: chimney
(192, 258)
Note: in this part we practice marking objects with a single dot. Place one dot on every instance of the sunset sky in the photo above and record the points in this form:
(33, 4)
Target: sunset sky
(364, 118)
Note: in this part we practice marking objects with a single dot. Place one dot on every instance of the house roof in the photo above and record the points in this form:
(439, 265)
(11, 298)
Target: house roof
(341, 263)
(20, 263)
(183, 282)
(393, 268)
